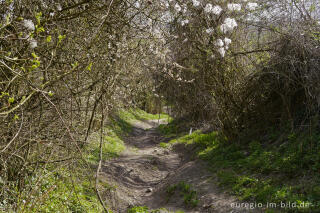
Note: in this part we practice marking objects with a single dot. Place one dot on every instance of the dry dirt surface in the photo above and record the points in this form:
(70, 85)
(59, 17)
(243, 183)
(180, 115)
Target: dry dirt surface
(144, 171)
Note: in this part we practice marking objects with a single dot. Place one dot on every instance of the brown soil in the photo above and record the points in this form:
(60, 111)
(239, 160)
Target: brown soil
(144, 171)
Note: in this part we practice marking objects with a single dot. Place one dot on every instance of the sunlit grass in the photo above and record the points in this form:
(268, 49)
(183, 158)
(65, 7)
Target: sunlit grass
(260, 172)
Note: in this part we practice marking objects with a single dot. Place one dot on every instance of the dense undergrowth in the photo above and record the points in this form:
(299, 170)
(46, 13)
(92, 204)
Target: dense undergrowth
(60, 190)
(284, 170)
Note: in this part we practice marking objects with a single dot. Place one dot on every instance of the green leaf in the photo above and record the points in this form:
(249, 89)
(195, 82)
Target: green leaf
(38, 17)
(89, 67)
(36, 62)
(34, 67)
(16, 117)
(39, 29)
(11, 100)
(50, 93)
(61, 37)
(74, 65)
(34, 55)
(49, 38)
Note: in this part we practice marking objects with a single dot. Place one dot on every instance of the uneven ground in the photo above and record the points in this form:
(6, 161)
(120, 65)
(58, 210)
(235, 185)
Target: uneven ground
(144, 171)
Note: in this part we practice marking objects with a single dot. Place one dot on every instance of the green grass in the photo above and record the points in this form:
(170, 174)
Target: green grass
(189, 195)
(138, 209)
(113, 145)
(144, 209)
(196, 139)
(258, 172)
(132, 115)
(60, 191)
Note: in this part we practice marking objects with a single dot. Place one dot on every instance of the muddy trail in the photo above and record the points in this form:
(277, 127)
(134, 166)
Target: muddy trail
(144, 172)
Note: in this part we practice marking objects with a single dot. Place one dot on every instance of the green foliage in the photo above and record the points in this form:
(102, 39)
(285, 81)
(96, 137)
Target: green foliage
(138, 209)
(144, 209)
(35, 62)
(60, 38)
(168, 130)
(11, 100)
(38, 17)
(49, 38)
(164, 145)
(50, 93)
(89, 67)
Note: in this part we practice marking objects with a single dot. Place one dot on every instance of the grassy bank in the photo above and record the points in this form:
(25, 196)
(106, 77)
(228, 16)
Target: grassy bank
(132, 115)
(279, 171)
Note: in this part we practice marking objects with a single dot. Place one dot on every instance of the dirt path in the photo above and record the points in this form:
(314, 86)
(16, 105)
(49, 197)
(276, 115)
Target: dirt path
(144, 171)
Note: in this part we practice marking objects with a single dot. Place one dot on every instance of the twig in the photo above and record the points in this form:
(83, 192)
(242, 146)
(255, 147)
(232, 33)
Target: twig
(104, 19)
(100, 162)
(18, 105)
(16, 135)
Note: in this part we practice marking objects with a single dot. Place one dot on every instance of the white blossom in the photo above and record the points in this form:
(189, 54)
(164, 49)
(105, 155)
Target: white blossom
(185, 8)
(51, 14)
(222, 51)
(228, 25)
(227, 41)
(219, 43)
(252, 6)
(165, 3)
(216, 10)
(185, 40)
(184, 22)
(234, 7)
(44, 5)
(27, 23)
(177, 7)
(195, 3)
(137, 4)
(209, 30)
(33, 44)
(59, 8)
(208, 8)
